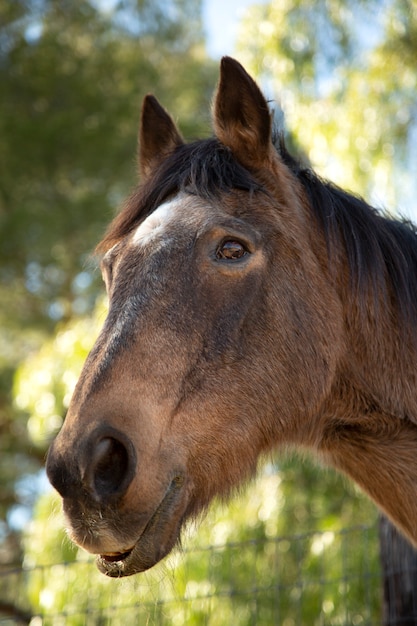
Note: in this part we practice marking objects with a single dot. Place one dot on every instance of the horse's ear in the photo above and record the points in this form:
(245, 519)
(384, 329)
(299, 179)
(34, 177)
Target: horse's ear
(158, 135)
(241, 117)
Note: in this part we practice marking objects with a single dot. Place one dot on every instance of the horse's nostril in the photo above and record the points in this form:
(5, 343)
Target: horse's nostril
(108, 472)
(101, 466)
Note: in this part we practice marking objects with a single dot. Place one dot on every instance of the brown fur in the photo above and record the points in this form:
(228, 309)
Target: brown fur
(204, 363)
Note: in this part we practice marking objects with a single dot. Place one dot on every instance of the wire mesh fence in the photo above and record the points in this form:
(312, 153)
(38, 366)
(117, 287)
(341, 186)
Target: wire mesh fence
(318, 578)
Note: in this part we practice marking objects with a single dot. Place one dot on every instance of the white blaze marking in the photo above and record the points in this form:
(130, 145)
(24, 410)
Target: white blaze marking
(157, 221)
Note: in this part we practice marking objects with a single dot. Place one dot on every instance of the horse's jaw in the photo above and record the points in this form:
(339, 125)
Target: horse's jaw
(157, 539)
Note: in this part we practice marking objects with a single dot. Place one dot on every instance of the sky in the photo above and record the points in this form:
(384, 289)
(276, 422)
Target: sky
(221, 19)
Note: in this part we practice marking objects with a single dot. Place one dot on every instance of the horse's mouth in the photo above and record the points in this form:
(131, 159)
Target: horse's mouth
(155, 542)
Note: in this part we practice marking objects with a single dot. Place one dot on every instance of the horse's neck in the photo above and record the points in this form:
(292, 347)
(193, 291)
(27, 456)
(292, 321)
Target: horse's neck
(381, 360)
(370, 420)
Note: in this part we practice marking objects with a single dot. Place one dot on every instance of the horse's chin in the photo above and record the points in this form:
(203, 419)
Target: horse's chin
(139, 559)
(156, 541)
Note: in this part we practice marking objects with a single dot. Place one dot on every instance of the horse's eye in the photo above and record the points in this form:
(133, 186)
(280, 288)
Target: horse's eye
(231, 250)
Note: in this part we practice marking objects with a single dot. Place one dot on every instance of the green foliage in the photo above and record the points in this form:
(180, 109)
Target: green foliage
(346, 76)
(45, 381)
(73, 75)
(74, 78)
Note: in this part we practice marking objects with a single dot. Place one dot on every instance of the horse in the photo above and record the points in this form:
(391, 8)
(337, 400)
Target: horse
(253, 306)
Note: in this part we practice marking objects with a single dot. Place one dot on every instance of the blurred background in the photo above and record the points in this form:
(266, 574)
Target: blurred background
(342, 77)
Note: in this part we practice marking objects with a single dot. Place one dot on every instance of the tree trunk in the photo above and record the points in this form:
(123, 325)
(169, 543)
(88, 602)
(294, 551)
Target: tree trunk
(399, 576)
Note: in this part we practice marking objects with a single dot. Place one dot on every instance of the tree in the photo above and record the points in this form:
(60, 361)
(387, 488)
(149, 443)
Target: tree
(73, 76)
(345, 74)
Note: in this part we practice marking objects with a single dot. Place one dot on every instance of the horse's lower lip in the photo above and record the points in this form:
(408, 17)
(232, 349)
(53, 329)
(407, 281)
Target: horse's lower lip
(151, 546)
(116, 556)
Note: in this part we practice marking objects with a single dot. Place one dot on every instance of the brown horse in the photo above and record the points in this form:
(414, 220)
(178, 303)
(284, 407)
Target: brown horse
(252, 306)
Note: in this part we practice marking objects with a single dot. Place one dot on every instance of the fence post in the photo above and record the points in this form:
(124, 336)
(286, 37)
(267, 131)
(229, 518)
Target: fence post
(399, 576)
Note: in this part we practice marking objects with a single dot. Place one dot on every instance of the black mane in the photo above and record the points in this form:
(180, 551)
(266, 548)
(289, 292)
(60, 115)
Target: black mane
(381, 251)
